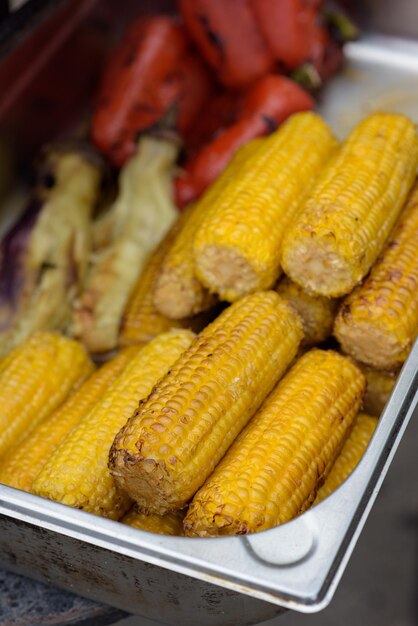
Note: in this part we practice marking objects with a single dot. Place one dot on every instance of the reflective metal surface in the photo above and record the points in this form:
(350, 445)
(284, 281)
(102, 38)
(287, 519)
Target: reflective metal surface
(238, 579)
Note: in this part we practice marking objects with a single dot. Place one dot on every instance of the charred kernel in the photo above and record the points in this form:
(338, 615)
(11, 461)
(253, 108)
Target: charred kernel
(378, 322)
(233, 382)
(273, 470)
(370, 177)
(237, 246)
(82, 457)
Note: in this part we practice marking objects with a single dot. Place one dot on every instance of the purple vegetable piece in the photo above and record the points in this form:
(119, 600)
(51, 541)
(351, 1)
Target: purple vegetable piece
(12, 251)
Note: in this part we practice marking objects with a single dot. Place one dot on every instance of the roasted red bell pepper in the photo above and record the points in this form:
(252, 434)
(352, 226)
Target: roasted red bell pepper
(222, 110)
(326, 54)
(228, 38)
(289, 28)
(152, 71)
(268, 103)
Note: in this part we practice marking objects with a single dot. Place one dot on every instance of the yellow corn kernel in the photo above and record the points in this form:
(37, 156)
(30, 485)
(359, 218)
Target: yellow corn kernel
(141, 321)
(353, 449)
(22, 464)
(178, 435)
(77, 474)
(237, 247)
(380, 385)
(378, 323)
(272, 472)
(178, 293)
(170, 524)
(37, 377)
(316, 312)
(346, 219)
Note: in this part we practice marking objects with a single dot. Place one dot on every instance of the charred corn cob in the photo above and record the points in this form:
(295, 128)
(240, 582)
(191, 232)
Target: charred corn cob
(37, 377)
(21, 465)
(237, 247)
(378, 322)
(316, 312)
(177, 436)
(170, 524)
(350, 212)
(141, 321)
(77, 474)
(51, 270)
(353, 449)
(178, 292)
(380, 385)
(273, 470)
(143, 213)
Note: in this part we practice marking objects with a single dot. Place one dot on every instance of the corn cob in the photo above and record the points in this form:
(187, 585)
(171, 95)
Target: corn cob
(52, 270)
(21, 465)
(237, 247)
(378, 322)
(177, 436)
(273, 470)
(353, 449)
(37, 377)
(77, 474)
(352, 208)
(143, 213)
(380, 385)
(170, 524)
(178, 292)
(141, 321)
(316, 312)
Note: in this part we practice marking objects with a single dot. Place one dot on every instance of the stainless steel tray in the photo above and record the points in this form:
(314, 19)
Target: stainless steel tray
(246, 579)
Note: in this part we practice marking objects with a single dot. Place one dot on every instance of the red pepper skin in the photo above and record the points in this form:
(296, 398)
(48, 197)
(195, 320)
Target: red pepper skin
(289, 28)
(326, 54)
(195, 88)
(268, 103)
(150, 72)
(222, 110)
(228, 39)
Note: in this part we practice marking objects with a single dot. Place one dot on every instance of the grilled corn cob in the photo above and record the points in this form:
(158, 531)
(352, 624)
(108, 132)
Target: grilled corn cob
(51, 270)
(380, 385)
(353, 449)
(77, 474)
(178, 292)
(316, 312)
(141, 321)
(349, 214)
(170, 524)
(378, 322)
(237, 247)
(177, 436)
(143, 214)
(273, 470)
(20, 466)
(37, 377)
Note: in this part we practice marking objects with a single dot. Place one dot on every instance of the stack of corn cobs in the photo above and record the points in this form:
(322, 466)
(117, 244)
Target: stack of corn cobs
(258, 416)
